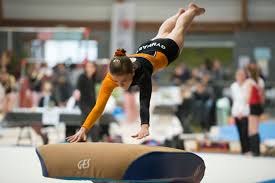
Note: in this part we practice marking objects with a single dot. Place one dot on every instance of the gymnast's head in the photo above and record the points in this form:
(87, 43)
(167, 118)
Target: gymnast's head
(121, 69)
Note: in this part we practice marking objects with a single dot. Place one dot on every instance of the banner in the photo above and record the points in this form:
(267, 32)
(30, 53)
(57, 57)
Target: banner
(263, 56)
(123, 27)
(243, 61)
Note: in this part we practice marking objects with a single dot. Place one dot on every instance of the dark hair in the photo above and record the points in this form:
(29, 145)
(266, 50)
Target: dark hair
(120, 64)
(253, 71)
(94, 65)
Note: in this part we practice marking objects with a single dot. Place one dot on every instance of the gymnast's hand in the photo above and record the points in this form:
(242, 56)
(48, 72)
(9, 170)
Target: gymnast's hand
(80, 136)
(144, 132)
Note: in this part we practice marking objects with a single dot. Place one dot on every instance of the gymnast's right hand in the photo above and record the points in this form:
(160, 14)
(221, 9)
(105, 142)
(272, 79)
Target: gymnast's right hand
(80, 136)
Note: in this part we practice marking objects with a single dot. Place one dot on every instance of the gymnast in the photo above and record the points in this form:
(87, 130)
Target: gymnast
(137, 69)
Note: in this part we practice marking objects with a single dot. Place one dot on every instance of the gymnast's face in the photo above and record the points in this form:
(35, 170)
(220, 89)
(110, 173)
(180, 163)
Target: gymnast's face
(124, 80)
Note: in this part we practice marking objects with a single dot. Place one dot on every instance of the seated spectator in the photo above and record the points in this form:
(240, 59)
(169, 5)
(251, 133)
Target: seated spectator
(202, 105)
(184, 110)
(73, 101)
(47, 100)
(195, 76)
(9, 64)
(2, 97)
(180, 75)
(217, 70)
(8, 85)
(62, 83)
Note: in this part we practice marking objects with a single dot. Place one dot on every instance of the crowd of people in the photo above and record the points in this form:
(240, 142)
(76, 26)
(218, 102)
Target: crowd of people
(201, 87)
(37, 85)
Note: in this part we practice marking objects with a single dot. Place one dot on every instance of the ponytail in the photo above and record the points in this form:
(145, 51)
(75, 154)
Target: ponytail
(120, 64)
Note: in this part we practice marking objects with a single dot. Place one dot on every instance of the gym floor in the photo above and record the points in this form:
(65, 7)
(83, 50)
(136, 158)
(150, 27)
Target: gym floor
(20, 164)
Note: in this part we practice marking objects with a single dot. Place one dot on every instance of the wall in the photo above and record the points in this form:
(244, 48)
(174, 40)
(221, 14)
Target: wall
(154, 10)
(3, 41)
(246, 42)
(243, 43)
(259, 10)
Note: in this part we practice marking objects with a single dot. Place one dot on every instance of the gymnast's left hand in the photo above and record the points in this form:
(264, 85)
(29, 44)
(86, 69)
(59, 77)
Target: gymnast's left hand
(80, 136)
(144, 132)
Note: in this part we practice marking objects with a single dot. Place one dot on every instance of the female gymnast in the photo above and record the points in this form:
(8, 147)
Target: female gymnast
(137, 69)
(255, 99)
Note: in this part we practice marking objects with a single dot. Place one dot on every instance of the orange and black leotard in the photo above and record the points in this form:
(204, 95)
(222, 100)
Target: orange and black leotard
(146, 63)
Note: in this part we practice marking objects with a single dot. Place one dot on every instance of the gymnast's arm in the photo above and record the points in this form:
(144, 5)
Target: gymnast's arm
(105, 92)
(145, 97)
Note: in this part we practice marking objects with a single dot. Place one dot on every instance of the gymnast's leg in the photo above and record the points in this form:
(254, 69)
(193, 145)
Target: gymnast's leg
(183, 23)
(168, 25)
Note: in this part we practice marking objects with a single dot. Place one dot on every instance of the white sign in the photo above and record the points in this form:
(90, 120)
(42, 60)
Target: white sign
(50, 116)
(123, 27)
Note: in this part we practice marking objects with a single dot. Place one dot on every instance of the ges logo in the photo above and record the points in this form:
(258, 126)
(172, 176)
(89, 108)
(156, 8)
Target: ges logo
(83, 164)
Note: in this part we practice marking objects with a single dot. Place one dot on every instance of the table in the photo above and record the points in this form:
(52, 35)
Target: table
(21, 117)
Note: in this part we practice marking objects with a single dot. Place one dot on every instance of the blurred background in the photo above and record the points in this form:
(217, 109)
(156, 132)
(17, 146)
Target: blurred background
(55, 53)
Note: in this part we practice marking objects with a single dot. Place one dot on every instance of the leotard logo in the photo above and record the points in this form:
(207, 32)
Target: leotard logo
(151, 45)
(83, 164)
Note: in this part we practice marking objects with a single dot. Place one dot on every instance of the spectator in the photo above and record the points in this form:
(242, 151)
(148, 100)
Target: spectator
(8, 64)
(217, 76)
(63, 87)
(31, 83)
(240, 109)
(203, 105)
(217, 72)
(2, 96)
(185, 109)
(211, 103)
(86, 87)
(47, 100)
(180, 75)
(195, 77)
(205, 68)
(73, 101)
(255, 99)
(8, 85)
(208, 64)
(75, 71)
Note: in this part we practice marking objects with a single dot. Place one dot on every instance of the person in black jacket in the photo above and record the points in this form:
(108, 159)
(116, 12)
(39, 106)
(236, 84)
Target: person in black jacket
(86, 88)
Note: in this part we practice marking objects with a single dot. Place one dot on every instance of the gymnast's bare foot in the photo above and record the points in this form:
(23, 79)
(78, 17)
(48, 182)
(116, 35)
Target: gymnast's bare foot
(144, 132)
(181, 11)
(198, 10)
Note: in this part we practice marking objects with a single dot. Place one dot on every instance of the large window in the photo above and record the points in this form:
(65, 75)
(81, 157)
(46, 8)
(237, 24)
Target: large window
(64, 51)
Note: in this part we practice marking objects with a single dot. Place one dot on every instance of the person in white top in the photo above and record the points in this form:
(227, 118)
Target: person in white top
(240, 108)
(255, 99)
(72, 103)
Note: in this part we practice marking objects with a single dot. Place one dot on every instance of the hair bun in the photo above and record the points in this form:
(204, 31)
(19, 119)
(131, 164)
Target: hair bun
(120, 52)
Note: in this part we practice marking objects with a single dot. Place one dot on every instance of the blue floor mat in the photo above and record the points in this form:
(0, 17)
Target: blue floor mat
(230, 133)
